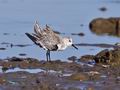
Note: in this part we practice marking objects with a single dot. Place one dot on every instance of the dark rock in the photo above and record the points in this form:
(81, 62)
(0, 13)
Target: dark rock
(15, 59)
(22, 54)
(4, 69)
(102, 56)
(72, 58)
(2, 48)
(86, 57)
(30, 60)
(108, 56)
(20, 45)
(103, 9)
(110, 26)
(79, 34)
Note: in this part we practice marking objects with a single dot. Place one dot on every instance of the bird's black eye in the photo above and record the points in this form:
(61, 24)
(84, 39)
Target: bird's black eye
(69, 40)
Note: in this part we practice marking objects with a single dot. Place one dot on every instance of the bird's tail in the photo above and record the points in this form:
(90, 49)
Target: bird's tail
(32, 37)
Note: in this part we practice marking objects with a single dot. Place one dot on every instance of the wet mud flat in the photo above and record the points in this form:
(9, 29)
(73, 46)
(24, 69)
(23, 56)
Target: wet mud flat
(75, 74)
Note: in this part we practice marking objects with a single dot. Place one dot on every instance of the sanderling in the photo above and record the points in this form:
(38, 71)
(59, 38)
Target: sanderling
(48, 40)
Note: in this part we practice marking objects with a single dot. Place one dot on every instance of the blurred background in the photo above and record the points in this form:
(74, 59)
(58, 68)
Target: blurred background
(69, 17)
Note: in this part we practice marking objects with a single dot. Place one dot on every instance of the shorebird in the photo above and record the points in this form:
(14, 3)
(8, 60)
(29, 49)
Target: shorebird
(47, 39)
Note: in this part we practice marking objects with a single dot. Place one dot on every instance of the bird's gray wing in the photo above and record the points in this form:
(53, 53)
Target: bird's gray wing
(34, 38)
(37, 29)
(46, 37)
(50, 39)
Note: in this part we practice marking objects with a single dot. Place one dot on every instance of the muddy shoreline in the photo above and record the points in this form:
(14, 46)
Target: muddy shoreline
(76, 74)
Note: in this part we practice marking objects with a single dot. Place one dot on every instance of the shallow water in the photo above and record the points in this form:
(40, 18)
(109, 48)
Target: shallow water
(25, 70)
(65, 16)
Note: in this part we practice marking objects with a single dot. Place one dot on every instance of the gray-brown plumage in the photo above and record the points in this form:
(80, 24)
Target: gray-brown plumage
(49, 40)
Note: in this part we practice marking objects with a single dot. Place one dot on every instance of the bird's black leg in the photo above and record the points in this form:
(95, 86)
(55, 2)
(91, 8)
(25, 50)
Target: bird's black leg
(47, 54)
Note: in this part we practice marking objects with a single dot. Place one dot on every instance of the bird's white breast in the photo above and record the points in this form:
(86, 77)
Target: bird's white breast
(61, 47)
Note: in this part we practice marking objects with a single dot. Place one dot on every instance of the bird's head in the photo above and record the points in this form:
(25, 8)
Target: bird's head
(69, 42)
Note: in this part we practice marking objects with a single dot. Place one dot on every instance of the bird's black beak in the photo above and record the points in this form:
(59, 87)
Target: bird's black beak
(74, 46)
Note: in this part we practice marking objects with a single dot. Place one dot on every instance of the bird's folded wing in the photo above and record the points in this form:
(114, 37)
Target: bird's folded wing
(46, 37)
(50, 39)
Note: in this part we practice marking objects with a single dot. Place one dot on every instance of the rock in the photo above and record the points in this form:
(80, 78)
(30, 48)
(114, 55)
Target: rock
(72, 58)
(108, 56)
(102, 56)
(15, 59)
(105, 56)
(110, 26)
(86, 58)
